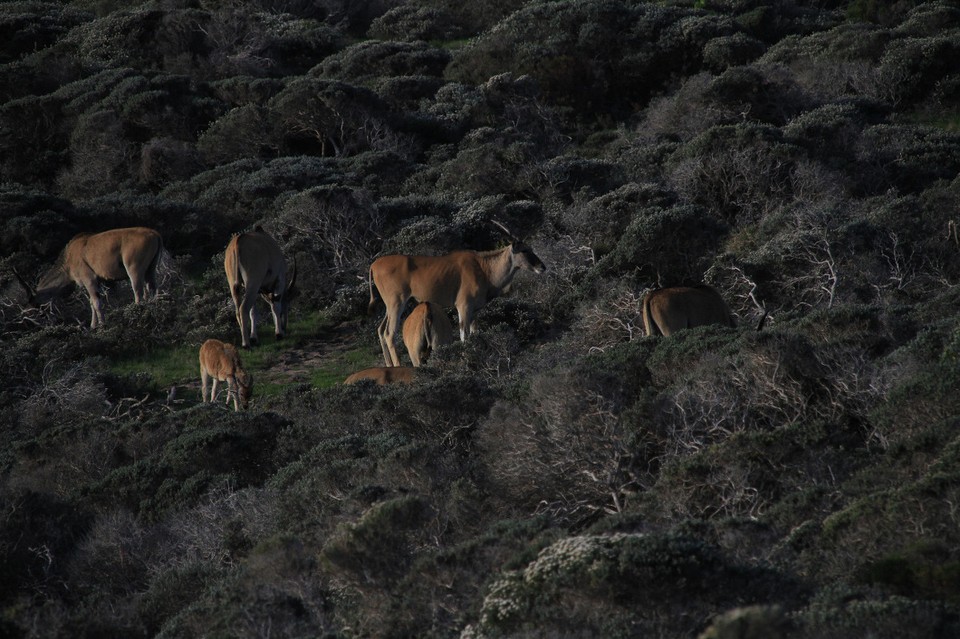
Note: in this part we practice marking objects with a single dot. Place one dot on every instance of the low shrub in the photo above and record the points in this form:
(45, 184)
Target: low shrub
(595, 582)
(382, 543)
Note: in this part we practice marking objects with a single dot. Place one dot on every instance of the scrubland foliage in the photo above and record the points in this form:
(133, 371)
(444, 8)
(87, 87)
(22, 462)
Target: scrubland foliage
(560, 474)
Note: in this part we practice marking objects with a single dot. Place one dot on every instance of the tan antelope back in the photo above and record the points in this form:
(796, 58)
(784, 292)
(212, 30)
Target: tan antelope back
(220, 362)
(89, 258)
(668, 310)
(383, 375)
(425, 329)
(464, 279)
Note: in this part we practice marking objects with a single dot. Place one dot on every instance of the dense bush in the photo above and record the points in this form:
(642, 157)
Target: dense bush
(559, 472)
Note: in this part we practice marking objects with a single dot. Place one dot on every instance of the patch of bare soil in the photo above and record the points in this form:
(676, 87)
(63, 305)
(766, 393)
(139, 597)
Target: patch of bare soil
(296, 363)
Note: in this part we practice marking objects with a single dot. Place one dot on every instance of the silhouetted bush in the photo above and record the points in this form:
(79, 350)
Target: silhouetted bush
(600, 222)
(324, 117)
(664, 245)
(559, 472)
(244, 132)
(26, 27)
(737, 172)
(340, 226)
(582, 55)
(731, 51)
(910, 157)
(838, 612)
(409, 22)
(593, 581)
(368, 60)
(242, 90)
(378, 545)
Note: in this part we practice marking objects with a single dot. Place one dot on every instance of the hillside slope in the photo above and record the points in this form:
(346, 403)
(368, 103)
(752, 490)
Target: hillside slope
(559, 474)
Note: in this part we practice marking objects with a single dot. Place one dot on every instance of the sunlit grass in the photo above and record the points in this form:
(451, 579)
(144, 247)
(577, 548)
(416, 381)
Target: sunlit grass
(451, 45)
(177, 365)
(946, 121)
(166, 366)
(336, 368)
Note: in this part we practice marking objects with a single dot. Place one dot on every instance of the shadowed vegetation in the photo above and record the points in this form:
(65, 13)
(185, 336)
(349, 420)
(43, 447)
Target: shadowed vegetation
(559, 473)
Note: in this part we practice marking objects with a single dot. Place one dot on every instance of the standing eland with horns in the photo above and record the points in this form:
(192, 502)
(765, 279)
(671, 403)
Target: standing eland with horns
(91, 258)
(254, 265)
(464, 279)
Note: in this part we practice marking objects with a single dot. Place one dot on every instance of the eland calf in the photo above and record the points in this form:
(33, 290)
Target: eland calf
(254, 264)
(383, 375)
(220, 362)
(90, 258)
(464, 279)
(668, 310)
(425, 329)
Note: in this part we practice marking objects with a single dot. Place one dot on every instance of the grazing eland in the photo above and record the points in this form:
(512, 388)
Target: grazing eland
(425, 329)
(90, 258)
(254, 264)
(464, 279)
(221, 362)
(383, 375)
(668, 310)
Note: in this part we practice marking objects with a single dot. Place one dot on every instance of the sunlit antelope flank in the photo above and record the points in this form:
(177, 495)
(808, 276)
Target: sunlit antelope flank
(425, 329)
(383, 375)
(91, 258)
(465, 279)
(220, 362)
(254, 265)
(668, 310)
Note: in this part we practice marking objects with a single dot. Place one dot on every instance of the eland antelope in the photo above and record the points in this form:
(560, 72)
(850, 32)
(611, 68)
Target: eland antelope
(255, 264)
(464, 279)
(221, 362)
(668, 310)
(90, 258)
(383, 375)
(425, 329)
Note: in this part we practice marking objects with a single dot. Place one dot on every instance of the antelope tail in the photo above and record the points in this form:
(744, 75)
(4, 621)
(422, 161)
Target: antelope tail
(649, 325)
(428, 335)
(154, 265)
(237, 280)
(374, 292)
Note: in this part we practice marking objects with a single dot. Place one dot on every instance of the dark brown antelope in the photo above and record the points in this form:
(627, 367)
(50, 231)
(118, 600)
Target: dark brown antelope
(668, 310)
(425, 329)
(220, 362)
(255, 265)
(91, 258)
(464, 279)
(383, 375)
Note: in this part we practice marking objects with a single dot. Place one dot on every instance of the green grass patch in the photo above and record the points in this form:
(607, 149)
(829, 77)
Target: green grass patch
(947, 121)
(451, 45)
(336, 368)
(165, 366)
(178, 365)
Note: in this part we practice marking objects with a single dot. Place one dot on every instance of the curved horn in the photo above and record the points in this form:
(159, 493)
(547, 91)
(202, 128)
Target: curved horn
(31, 292)
(506, 231)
